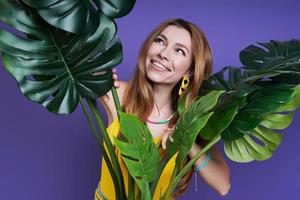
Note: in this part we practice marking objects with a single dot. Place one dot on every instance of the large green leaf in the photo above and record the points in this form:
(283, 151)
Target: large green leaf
(234, 85)
(78, 16)
(268, 97)
(258, 105)
(269, 100)
(277, 60)
(246, 149)
(228, 105)
(140, 154)
(223, 117)
(53, 67)
(190, 123)
(74, 16)
(260, 142)
(293, 103)
(243, 105)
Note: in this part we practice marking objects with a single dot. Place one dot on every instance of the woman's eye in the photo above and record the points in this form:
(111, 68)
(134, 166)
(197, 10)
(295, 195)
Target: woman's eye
(158, 40)
(180, 51)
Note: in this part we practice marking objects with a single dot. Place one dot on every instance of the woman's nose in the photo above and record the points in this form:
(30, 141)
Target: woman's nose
(164, 53)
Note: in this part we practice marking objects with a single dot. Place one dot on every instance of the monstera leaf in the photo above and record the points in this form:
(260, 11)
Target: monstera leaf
(53, 67)
(260, 142)
(77, 16)
(275, 59)
(74, 16)
(140, 153)
(246, 118)
(257, 100)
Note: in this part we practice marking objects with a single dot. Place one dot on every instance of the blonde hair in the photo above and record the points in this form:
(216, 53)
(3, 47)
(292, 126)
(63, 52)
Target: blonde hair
(138, 96)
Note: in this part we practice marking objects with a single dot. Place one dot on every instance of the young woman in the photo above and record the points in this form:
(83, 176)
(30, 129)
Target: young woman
(173, 60)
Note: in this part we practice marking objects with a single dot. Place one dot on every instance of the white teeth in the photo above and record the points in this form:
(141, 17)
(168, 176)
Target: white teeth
(159, 65)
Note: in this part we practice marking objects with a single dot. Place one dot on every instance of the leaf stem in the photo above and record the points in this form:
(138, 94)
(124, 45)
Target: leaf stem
(110, 148)
(131, 185)
(99, 141)
(116, 100)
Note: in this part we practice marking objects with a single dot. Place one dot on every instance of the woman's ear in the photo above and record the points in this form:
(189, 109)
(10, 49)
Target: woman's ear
(189, 73)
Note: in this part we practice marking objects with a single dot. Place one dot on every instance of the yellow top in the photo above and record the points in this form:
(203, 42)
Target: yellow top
(105, 188)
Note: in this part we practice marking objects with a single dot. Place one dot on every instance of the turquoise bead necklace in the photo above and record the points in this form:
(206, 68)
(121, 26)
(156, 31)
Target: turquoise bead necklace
(164, 121)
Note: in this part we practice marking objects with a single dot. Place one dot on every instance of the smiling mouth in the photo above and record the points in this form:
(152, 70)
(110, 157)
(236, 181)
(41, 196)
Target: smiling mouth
(159, 66)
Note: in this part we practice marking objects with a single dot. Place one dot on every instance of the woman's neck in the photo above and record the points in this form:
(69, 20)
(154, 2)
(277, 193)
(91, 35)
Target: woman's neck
(162, 95)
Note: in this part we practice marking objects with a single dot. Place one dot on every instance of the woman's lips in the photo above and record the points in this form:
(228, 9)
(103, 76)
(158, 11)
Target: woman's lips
(158, 66)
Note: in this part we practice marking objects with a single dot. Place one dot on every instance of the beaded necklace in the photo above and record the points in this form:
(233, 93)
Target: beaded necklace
(164, 121)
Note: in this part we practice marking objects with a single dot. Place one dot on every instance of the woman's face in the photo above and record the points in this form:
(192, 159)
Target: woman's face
(169, 56)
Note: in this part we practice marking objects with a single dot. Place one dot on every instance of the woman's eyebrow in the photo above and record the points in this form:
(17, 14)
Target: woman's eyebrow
(163, 36)
(178, 44)
(183, 46)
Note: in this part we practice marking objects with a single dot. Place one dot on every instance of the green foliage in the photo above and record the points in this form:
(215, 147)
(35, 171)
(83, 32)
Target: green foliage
(64, 51)
(115, 8)
(139, 153)
(219, 121)
(249, 110)
(256, 100)
(278, 60)
(78, 16)
(61, 52)
(191, 121)
(75, 16)
(53, 67)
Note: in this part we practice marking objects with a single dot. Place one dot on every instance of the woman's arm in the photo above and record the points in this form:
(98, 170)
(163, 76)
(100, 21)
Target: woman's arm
(216, 174)
(107, 100)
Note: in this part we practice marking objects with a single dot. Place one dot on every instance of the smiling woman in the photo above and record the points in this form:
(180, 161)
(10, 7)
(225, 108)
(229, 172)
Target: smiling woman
(168, 58)
(58, 155)
(175, 56)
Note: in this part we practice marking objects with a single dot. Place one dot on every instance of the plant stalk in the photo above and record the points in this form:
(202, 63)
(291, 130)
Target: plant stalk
(116, 100)
(131, 185)
(99, 141)
(110, 148)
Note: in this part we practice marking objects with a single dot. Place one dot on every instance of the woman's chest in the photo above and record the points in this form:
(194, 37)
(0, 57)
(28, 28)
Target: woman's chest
(157, 130)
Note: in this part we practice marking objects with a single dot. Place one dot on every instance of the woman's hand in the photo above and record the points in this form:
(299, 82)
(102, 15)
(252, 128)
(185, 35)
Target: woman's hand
(105, 97)
(115, 77)
(107, 100)
(167, 135)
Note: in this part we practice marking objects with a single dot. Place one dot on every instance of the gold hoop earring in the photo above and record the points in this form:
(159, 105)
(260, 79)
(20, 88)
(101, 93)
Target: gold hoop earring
(184, 84)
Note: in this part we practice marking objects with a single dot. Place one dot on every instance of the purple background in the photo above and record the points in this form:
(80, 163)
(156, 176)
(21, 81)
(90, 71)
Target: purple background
(43, 156)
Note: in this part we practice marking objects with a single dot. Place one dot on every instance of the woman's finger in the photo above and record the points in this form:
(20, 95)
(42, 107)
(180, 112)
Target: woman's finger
(164, 140)
(171, 138)
(115, 76)
(105, 98)
(116, 84)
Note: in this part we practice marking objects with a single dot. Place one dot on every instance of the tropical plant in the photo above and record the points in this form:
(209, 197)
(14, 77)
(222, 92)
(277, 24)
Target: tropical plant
(63, 55)
(242, 110)
(259, 97)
